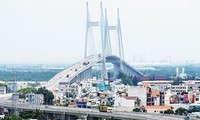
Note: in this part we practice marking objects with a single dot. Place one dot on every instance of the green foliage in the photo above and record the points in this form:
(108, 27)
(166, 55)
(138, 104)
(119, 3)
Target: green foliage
(169, 111)
(180, 111)
(121, 75)
(26, 114)
(12, 117)
(40, 75)
(48, 95)
(24, 91)
(125, 79)
(94, 84)
(38, 114)
(136, 110)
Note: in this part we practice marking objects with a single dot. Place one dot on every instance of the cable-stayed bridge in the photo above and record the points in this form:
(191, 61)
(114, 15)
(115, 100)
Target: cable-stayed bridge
(83, 68)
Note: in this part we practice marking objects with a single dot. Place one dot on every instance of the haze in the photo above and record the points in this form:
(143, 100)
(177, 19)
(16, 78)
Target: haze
(53, 31)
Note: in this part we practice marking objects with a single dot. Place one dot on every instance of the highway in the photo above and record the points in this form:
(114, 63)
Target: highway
(92, 112)
(68, 74)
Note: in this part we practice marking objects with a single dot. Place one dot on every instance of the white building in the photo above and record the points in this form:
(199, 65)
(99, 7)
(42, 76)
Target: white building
(2, 90)
(126, 101)
(32, 98)
(167, 97)
(140, 92)
(179, 88)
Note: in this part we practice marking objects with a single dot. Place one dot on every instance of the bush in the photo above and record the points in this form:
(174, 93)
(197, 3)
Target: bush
(169, 111)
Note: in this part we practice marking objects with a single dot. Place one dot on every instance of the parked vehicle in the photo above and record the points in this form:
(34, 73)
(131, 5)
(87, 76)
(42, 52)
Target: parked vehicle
(104, 108)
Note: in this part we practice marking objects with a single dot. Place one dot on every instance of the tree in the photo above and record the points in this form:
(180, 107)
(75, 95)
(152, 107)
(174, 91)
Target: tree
(180, 111)
(38, 114)
(125, 79)
(26, 114)
(48, 95)
(136, 110)
(24, 91)
(169, 111)
(12, 117)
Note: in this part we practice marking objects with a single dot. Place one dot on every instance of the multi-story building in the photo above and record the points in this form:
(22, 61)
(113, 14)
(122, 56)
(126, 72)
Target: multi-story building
(179, 88)
(67, 88)
(140, 92)
(36, 99)
(167, 96)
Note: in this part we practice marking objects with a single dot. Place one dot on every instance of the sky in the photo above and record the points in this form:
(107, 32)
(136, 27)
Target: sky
(53, 31)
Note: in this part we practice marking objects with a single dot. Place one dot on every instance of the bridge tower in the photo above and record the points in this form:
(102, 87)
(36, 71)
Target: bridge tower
(106, 47)
(116, 28)
(105, 29)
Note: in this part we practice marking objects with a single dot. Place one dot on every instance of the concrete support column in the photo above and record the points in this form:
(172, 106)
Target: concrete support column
(70, 117)
(114, 118)
(2, 111)
(49, 116)
(92, 118)
(10, 111)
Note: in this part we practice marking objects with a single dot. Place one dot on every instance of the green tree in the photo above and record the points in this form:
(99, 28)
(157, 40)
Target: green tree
(48, 95)
(24, 91)
(136, 110)
(12, 117)
(26, 114)
(38, 114)
(125, 79)
(169, 111)
(180, 111)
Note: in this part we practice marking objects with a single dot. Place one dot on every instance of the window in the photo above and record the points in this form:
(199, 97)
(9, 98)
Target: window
(197, 99)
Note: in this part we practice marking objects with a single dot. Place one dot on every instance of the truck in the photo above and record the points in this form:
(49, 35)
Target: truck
(103, 108)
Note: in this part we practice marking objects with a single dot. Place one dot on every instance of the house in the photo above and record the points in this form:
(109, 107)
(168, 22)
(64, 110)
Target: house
(156, 109)
(126, 101)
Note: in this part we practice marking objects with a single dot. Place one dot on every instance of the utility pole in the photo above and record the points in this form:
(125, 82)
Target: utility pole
(15, 97)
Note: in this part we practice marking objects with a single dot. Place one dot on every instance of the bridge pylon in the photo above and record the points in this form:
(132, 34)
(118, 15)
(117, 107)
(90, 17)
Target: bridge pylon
(105, 38)
(117, 28)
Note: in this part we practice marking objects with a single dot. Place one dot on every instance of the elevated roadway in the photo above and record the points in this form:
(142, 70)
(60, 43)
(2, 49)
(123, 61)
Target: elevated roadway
(92, 112)
(80, 71)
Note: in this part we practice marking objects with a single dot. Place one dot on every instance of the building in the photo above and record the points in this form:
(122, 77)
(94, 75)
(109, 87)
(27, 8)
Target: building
(197, 98)
(126, 101)
(13, 86)
(179, 88)
(156, 85)
(2, 90)
(140, 92)
(74, 89)
(37, 99)
(156, 109)
(167, 96)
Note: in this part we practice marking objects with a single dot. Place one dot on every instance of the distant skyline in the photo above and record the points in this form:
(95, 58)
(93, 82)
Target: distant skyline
(53, 31)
